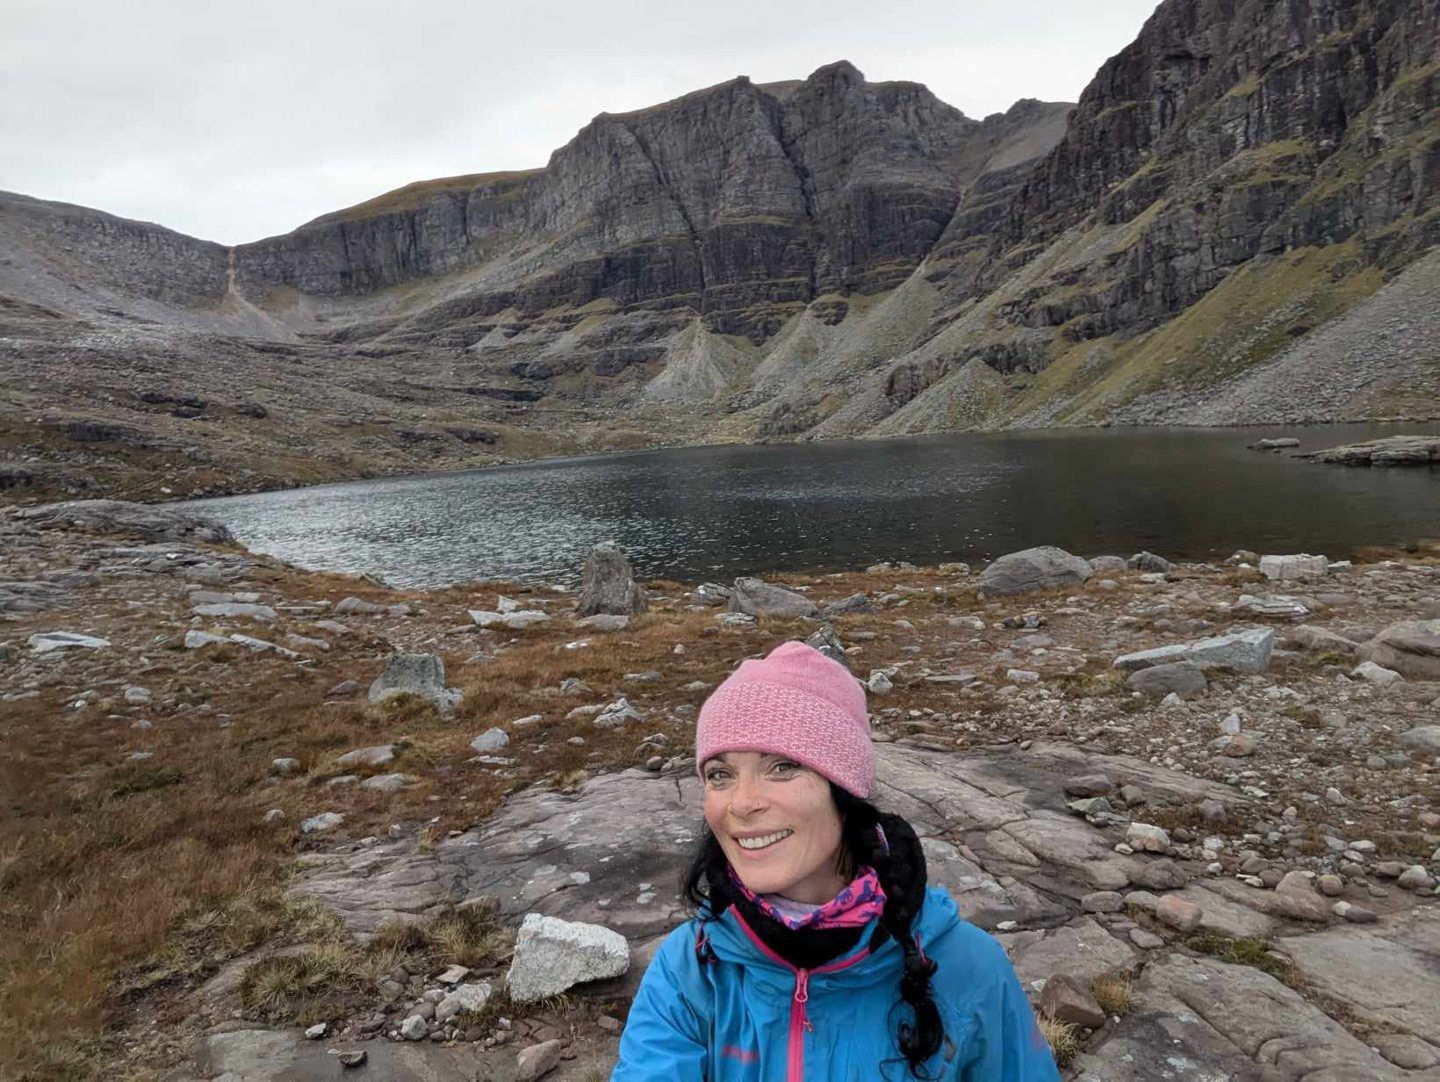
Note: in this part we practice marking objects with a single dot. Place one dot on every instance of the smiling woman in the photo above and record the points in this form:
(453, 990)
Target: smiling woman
(817, 951)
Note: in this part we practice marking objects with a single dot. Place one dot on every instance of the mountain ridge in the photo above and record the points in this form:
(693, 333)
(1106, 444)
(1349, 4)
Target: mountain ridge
(823, 258)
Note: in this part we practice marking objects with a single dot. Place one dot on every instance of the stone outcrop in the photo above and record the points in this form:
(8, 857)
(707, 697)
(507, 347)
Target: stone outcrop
(1411, 648)
(608, 585)
(124, 517)
(420, 675)
(1033, 569)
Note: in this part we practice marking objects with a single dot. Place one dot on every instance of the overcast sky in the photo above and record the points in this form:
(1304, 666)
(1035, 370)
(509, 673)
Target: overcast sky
(238, 121)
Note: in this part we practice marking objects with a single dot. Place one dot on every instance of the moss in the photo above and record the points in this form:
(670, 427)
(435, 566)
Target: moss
(1245, 87)
(1255, 953)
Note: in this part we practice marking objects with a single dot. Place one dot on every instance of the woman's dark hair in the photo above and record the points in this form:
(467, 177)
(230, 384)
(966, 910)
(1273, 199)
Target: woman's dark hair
(894, 851)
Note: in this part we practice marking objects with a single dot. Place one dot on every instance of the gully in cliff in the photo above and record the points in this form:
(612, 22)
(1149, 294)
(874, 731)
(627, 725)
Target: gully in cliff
(817, 951)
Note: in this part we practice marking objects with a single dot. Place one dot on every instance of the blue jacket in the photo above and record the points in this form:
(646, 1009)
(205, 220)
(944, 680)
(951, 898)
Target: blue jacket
(746, 1015)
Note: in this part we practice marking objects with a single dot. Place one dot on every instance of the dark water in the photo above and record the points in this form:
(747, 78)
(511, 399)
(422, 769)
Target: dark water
(722, 511)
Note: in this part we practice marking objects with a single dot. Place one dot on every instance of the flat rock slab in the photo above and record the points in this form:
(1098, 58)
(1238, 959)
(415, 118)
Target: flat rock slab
(378, 885)
(154, 523)
(1230, 908)
(272, 1055)
(1244, 651)
(1201, 1020)
(1388, 973)
(994, 825)
(1081, 949)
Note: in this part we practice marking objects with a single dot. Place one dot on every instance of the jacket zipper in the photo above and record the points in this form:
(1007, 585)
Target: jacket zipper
(799, 1018)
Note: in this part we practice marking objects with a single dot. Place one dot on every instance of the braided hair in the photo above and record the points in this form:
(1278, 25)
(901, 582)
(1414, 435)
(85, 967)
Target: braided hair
(888, 844)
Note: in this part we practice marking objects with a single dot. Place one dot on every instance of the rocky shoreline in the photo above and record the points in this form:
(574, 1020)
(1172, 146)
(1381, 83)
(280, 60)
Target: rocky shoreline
(1198, 803)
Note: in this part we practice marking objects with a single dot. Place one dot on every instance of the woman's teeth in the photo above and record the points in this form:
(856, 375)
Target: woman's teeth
(762, 842)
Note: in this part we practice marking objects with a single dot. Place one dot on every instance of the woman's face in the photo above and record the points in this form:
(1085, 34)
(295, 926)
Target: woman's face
(776, 822)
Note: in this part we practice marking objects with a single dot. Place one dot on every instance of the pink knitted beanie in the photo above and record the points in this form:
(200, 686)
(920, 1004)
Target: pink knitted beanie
(795, 702)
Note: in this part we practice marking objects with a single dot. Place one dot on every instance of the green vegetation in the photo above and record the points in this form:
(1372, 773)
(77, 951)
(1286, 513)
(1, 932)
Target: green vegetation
(1243, 321)
(1255, 953)
(1245, 87)
(503, 185)
(308, 984)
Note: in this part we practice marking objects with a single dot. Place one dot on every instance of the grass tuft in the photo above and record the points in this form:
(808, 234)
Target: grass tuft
(1062, 1037)
(1115, 992)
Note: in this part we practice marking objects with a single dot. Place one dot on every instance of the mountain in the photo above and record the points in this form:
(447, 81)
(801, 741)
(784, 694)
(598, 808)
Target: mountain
(1233, 222)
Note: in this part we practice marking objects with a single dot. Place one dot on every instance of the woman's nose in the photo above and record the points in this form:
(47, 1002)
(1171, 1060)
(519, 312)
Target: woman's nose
(746, 797)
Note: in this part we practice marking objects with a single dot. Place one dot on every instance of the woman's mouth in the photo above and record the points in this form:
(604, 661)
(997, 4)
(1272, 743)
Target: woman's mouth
(763, 841)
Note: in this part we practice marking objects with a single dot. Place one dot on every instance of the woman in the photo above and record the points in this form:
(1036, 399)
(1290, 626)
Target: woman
(818, 952)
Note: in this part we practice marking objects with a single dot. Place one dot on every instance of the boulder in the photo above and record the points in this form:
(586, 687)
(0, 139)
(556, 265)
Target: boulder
(752, 597)
(828, 643)
(617, 714)
(1378, 675)
(1146, 838)
(490, 741)
(387, 783)
(1295, 897)
(710, 593)
(1108, 563)
(1319, 638)
(378, 755)
(1422, 741)
(350, 605)
(421, 675)
(1159, 875)
(1038, 568)
(1291, 568)
(538, 1060)
(1411, 648)
(1180, 677)
(463, 997)
(1246, 652)
(609, 585)
(1177, 913)
(1067, 1000)
(318, 824)
(553, 955)
(855, 603)
(1148, 562)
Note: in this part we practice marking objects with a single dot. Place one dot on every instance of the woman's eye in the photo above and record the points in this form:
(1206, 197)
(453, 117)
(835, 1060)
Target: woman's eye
(715, 777)
(785, 767)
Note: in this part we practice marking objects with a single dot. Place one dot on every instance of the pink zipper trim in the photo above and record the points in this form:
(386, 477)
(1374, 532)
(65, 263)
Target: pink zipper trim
(799, 1019)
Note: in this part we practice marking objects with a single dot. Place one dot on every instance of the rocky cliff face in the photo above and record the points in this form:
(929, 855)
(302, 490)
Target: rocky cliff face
(831, 257)
(1254, 163)
(742, 203)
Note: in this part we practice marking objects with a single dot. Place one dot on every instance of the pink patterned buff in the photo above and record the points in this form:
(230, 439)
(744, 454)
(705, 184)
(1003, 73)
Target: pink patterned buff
(854, 907)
